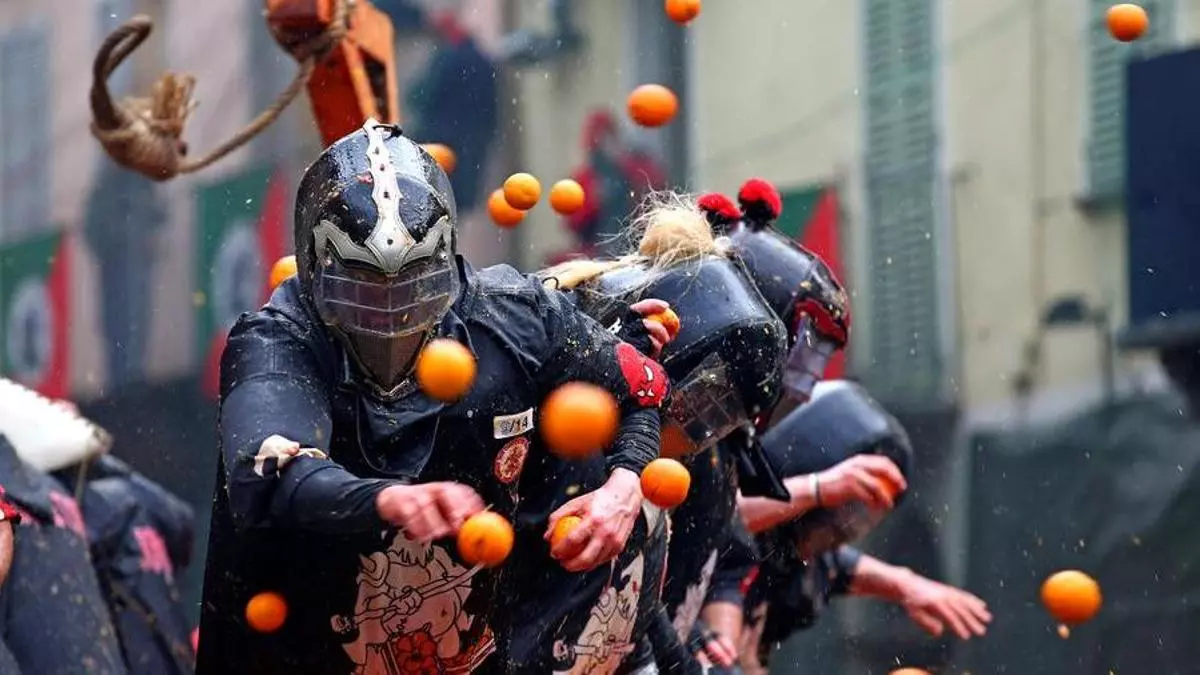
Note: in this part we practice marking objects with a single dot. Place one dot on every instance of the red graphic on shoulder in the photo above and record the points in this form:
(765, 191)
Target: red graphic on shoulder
(646, 378)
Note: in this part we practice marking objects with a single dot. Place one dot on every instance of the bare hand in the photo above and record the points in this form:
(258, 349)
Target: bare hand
(428, 511)
(659, 335)
(607, 518)
(869, 479)
(933, 606)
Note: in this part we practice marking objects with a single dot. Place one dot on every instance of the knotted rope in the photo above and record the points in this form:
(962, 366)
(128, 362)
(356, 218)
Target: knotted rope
(145, 134)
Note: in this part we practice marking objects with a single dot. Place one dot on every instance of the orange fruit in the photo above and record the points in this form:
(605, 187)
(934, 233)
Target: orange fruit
(665, 482)
(909, 671)
(563, 528)
(683, 11)
(566, 197)
(1071, 596)
(502, 213)
(674, 442)
(652, 105)
(892, 489)
(443, 155)
(668, 319)
(485, 539)
(283, 268)
(445, 370)
(1127, 22)
(266, 612)
(522, 191)
(579, 419)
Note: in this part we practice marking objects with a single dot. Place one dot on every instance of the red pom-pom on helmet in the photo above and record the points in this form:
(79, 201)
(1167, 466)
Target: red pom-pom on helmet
(760, 201)
(719, 209)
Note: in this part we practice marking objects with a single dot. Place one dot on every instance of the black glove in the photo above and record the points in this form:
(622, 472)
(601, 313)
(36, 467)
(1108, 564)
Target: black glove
(631, 328)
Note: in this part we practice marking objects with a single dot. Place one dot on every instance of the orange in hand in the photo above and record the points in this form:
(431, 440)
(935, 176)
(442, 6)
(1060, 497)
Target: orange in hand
(485, 539)
(667, 319)
(445, 370)
(443, 155)
(579, 419)
(266, 612)
(502, 213)
(283, 268)
(683, 11)
(566, 197)
(1127, 22)
(652, 105)
(522, 191)
(1071, 596)
(665, 483)
(563, 528)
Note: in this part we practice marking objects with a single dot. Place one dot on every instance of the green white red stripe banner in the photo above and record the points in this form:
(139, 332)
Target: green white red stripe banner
(35, 313)
(241, 233)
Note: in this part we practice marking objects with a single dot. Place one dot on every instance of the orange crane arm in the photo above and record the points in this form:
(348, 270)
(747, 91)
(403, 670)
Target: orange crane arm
(357, 79)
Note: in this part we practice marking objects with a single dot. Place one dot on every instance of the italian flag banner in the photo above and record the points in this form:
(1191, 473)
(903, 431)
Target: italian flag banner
(35, 313)
(812, 216)
(241, 223)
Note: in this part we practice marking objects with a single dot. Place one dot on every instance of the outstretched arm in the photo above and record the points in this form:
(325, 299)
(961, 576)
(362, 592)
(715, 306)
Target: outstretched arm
(861, 478)
(930, 604)
(275, 428)
(581, 349)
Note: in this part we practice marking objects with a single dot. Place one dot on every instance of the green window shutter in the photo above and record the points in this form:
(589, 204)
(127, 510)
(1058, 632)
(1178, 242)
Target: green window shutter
(1107, 59)
(905, 353)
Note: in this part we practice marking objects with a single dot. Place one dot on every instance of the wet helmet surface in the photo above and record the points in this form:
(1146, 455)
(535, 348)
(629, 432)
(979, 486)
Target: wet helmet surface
(806, 296)
(726, 362)
(375, 248)
(840, 421)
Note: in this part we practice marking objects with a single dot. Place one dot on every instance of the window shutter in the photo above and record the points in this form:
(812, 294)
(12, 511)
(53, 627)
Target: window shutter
(1107, 59)
(906, 362)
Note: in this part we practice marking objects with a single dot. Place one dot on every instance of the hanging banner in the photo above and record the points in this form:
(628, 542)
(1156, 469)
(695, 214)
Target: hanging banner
(241, 223)
(35, 313)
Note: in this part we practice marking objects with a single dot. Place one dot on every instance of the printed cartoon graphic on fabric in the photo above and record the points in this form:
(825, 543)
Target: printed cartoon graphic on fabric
(605, 639)
(67, 514)
(646, 379)
(154, 557)
(409, 618)
(693, 599)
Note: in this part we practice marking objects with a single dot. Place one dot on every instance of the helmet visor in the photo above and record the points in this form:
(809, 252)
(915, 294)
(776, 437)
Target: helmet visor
(807, 360)
(385, 317)
(826, 529)
(706, 406)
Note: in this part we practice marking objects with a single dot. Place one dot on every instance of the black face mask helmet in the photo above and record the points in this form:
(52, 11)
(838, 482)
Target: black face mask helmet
(724, 364)
(796, 283)
(375, 249)
(839, 422)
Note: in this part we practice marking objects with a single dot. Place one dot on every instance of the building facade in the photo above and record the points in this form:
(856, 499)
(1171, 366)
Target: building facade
(976, 148)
